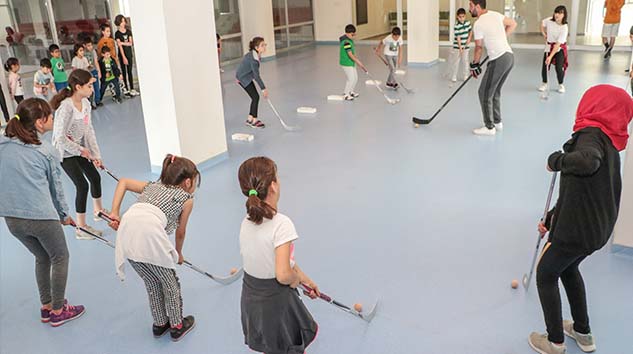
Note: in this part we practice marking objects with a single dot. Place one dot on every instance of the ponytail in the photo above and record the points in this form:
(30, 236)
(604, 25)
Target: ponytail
(177, 169)
(255, 176)
(77, 77)
(255, 42)
(22, 125)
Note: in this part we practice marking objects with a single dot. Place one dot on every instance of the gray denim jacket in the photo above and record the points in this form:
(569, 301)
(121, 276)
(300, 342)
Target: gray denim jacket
(30, 181)
(248, 70)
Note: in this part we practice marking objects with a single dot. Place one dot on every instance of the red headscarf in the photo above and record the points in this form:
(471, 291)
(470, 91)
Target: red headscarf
(609, 108)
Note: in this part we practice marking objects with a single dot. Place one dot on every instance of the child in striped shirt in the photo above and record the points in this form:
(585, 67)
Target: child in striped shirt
(460, 51)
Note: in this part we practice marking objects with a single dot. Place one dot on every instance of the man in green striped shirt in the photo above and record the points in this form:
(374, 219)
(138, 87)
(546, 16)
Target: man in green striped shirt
(460, 51)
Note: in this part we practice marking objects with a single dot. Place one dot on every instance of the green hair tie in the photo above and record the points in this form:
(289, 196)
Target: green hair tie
(253, 192)
(68, 88)
(17, 117)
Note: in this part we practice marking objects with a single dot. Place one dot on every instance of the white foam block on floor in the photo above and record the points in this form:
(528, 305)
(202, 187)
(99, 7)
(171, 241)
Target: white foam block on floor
(335, 98)
(306, 110)
(400, 72)
(441, 60)
(242, 137)
(373, 82)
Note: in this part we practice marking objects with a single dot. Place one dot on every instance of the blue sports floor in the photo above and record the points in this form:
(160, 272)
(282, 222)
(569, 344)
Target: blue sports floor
(434, 221)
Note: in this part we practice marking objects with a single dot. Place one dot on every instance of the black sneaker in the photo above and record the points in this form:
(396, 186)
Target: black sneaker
(606, 46)
(159, 331)
(94, 107)
(607, 55)
(99, 104)
(186, 326)
(117, 100)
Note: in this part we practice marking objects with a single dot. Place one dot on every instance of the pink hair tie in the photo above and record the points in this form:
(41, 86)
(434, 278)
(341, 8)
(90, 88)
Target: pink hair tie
(173, 157)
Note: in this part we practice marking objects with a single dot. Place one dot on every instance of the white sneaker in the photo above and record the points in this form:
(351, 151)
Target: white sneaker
(561, 88)
(454, 79)
(499, 126)
(354, 94)
(348, 98)
(542, 345)
(484, 131)
(80, 235)
(585, 342)
(543, 87)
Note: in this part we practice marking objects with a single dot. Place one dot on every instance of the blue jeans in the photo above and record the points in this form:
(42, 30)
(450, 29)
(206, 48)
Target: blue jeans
(95, 86)
(59, 86)
(104, 86)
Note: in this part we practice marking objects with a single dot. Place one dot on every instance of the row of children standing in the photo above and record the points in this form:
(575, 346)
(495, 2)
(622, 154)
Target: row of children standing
(101, 62)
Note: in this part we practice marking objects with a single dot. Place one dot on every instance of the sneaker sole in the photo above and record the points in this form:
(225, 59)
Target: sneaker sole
(535, 348)
(45, 320)
(184, 334)
(159, 336)
(584, 348)
(57, 324)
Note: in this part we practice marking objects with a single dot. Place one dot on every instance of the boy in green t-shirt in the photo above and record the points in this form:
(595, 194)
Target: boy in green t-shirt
(59, 72)
(110, 74)
(348, 61)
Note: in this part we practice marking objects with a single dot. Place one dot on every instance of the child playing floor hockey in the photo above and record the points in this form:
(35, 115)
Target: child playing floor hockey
(585, 214)
(392, 44)
(348, 61)
(274, 319)
(143, 239)
(75, 139)
(246, 75)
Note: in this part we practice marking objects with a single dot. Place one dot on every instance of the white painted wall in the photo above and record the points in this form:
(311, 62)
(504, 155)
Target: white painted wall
(423, 31)
(256, 19)
(182, 99)
(330, 18)
(624, 226)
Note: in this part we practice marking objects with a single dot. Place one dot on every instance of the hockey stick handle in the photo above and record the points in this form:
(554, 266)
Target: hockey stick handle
(307, 290)
(381, 58)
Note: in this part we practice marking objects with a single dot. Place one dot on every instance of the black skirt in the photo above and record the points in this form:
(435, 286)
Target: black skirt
(274, 319)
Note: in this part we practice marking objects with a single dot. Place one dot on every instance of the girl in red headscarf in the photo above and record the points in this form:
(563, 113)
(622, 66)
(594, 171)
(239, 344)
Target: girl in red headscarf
(585, 213)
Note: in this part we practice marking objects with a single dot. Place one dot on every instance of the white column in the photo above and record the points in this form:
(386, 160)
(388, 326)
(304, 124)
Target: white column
(400, 19)
(423, 31)
(256, 19)
(624, 226)
(180, 80)
(573, 24)
(330, 19)
(451, 20)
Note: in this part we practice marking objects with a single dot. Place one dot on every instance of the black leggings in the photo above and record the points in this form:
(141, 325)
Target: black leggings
(76, 168)
(3, 104)
(560, 62)
(252, 93)
(556, 263)
(126, 71)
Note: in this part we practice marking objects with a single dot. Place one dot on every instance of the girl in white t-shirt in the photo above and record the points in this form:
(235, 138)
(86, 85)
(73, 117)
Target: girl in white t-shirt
(12, 66)
(555, 32)
(274, 319)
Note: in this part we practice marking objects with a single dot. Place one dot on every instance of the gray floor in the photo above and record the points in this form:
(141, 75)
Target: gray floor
(433, 221)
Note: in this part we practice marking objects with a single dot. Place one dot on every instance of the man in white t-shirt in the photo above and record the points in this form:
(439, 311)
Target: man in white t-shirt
(392, 45)
(491, 31)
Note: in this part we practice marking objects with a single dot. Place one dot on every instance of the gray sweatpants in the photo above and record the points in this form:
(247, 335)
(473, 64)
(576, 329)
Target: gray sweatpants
(496, 74)
(47, 242)
(352, 78)
(392, 60)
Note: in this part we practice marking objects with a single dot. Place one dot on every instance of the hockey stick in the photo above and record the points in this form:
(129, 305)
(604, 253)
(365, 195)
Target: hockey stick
(545, 94)
(428, 121)
(367, 317)
(222, 280)
(390, 100)
(526, 277)
(409, 91)
(286, 126)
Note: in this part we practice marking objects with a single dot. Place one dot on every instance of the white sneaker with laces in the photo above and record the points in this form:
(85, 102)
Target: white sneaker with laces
(543, 87)
(499, 126)
(561, 88)
(542, 345)
(485, 131)
(585, 342)
(348, 98)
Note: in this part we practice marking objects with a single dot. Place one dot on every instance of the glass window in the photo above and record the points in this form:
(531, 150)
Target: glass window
(27, 32)
(301, 35)
(299, 11)
(76, 21)
(591, 20)
(231, 48)
(529, 17)
(279, 13)
(445, 25)
(227, 17)
(281, 39)
(362, 16)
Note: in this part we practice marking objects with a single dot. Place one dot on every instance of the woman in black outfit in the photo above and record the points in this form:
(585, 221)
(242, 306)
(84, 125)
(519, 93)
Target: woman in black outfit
(585, 213)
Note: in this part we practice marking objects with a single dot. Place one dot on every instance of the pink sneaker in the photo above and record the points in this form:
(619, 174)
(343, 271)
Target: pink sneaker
(45, 314)
(69, 313)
